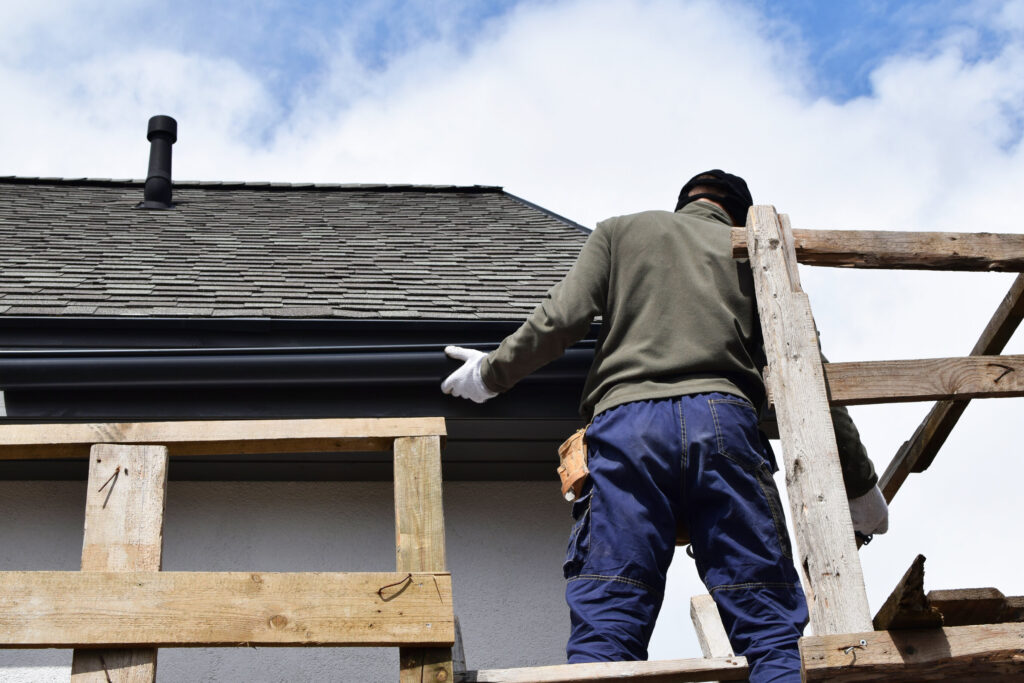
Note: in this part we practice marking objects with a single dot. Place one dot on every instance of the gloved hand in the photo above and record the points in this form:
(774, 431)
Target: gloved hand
(466, 382)
(870, 513)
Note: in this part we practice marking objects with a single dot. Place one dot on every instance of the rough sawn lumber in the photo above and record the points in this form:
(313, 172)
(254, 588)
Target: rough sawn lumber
(965, 251)
(666, 671)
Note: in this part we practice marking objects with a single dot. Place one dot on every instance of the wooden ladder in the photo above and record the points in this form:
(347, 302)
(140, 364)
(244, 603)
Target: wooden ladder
(120, 607)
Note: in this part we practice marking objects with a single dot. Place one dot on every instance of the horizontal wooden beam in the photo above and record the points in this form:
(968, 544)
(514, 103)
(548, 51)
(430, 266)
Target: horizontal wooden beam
(973, 251)
(665, 671)
(918, 452)
(219, 437)
(960, 653)
(897, 381)
(198, 609)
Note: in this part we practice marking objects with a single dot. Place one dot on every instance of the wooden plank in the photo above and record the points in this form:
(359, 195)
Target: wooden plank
(917, 453)
(419, 540)
(900, 381)
(907, 606)
(833, 579)
(665, 671)
(714, 641)
(200, 609)
(965, 251)
(124, 515)
(967, 606)
(959, 653)
(216, 437)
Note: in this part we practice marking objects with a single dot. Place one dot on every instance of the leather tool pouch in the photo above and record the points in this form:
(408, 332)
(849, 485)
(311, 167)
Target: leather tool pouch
(572, 468)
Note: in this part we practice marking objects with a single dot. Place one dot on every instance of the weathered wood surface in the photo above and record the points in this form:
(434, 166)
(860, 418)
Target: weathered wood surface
(917, 453)
(218, 437)
(959, 653)
(124, 514)
(707, 623)
(833, 579)
(665, 671)
(907, 606)
(419, 540)
(968, 606)
(198, 609)
(966, 251)
(898, 381)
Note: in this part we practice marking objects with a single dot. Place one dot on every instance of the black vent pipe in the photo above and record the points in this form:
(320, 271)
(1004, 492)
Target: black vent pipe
(163, 132)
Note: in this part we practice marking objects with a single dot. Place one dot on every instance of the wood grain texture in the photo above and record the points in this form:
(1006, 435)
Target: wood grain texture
(714, 642)
(967, 606)
(918, 452)
(419, 540)
(124, 515)
(199, 609)
(965, 251)
(665, 671)
(900, 381)
(216, 437)
(833, 579)
(907, 606)
(960, 653)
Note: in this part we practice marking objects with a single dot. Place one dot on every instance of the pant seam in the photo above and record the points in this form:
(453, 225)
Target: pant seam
(620, 579)
(741, 586)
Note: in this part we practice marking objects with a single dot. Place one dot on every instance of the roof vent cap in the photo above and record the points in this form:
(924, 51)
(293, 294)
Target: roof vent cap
(162, 133)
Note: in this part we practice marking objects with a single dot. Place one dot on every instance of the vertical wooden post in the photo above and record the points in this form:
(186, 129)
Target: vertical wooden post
(124, 514)
(834, 582)
(419, 540)
(707, 622)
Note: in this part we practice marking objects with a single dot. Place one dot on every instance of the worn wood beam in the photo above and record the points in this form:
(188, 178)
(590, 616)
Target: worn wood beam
(124, 531)
(199, 609)
(665, 671)
(899, 381)
(968, 606)
(419, 540)
(966, 251)
(707, 622)
(917, 453)
(959, 653)
(907, 606)
(833, 579)
(216, 437)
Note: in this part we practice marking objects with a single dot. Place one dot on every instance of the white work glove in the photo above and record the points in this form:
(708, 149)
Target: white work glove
(466, 382)
(870, 513)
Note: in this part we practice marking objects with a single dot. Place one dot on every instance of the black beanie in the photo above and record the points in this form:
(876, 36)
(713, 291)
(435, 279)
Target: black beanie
(725, 188)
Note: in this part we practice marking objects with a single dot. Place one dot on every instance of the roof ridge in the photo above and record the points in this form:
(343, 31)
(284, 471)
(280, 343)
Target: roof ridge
(252, 185)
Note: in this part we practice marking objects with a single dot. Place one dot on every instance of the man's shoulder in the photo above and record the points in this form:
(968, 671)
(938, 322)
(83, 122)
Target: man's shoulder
(652, 217)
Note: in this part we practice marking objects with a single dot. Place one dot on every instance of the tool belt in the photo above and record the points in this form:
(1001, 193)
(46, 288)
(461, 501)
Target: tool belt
(573, 471)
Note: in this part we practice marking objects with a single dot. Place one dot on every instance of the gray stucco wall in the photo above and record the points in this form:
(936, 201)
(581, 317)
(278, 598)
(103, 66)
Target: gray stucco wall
(505, 546)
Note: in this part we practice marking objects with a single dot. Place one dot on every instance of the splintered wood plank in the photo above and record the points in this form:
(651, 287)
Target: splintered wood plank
(898, 381)
(827, 556)
(665, 671)
(124, 515)
(216, 437)
(959, 653)
(419, 539)
(967, 251)
(199, 609)
(907, 606)
(917, 453)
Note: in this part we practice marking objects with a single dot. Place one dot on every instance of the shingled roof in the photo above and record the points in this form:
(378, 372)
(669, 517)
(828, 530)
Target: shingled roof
(262, 250)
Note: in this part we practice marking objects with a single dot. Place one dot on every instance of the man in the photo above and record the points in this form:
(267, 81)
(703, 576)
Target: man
(674, 437)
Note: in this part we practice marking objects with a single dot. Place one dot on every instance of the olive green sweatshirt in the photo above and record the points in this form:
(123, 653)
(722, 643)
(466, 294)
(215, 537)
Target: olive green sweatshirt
(678, 316)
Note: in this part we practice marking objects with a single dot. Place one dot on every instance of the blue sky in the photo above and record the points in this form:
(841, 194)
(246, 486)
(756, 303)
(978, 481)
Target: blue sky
(853, 114)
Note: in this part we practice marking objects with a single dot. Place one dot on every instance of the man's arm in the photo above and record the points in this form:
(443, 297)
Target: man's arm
(561, 319)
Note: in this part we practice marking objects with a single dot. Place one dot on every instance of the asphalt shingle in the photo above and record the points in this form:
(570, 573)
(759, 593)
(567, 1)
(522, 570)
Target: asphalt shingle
(80, 247)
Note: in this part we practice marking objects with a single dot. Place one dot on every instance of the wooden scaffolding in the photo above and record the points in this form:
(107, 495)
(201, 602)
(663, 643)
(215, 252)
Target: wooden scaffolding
(121, 607)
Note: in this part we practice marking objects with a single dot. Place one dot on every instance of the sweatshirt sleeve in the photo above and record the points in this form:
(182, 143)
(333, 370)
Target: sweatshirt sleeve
(858, 471)
(561, 319)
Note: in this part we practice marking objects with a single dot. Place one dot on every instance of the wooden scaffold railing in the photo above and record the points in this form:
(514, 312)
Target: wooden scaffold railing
(120, 607)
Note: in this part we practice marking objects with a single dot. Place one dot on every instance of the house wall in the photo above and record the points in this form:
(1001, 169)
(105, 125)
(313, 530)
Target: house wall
(505, 544)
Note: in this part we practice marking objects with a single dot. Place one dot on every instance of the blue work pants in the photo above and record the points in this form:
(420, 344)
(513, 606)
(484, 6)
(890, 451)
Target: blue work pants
(699, 459)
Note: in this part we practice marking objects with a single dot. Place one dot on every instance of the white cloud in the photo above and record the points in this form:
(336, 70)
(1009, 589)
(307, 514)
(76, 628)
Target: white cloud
(600, 108)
